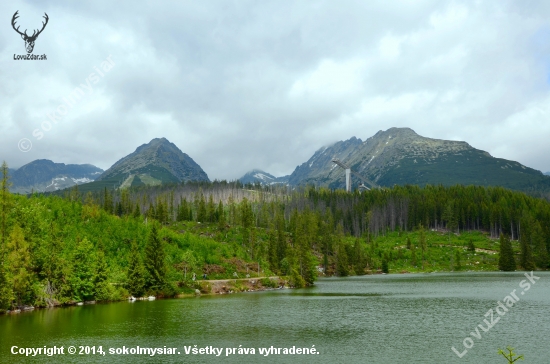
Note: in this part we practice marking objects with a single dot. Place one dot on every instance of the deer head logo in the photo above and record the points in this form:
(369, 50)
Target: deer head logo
(29, 40)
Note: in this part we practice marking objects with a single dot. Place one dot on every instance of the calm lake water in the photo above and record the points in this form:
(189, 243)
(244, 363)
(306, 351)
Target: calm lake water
(413, 318)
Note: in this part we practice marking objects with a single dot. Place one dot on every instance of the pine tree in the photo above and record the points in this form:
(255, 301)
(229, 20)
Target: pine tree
(408, 243)
(155, 264)
(136, 272)
(471, 246)
(506, 261)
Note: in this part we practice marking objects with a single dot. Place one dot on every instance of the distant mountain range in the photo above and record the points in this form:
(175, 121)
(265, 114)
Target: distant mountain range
(43, 175)
(395, 156)
(400, 156)
(259, 176)
(547, 173)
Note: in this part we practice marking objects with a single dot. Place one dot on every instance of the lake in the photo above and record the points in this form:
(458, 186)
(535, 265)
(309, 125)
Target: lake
(410, 318)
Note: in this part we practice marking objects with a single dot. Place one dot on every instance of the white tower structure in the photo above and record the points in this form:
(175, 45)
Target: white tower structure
(348, 175)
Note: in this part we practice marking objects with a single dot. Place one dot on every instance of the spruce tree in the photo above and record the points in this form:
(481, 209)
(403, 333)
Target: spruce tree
(137, 211)
(526, 256)
(107, 201)
(528, 228)
(56, 273)
(19, 266)
(281, 237)
(83, 271)
(423, 246)
(541, 254)
(358, 253)
(201, 211)
(457, 260)
(119, 210)
(136, 272)
(6, 291)
(102, 288)
(5, 205)
(385, 268)
(506, 261)
(211, 210)
(272, 250)
(221, 216)
(155, 262)
(342, 260)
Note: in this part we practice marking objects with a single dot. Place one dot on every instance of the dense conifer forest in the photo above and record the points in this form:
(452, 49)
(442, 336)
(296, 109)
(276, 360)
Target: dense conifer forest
(72, 247)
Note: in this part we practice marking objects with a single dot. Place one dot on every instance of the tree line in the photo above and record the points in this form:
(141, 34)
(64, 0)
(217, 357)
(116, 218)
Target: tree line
(112, 243)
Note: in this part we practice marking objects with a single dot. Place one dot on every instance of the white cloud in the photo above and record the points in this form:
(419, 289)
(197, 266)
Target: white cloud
(330, 79)
(265, 84)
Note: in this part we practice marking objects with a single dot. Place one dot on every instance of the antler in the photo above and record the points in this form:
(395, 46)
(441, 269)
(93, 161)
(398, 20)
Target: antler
(15, 16)
(43, 25)
(34, 34)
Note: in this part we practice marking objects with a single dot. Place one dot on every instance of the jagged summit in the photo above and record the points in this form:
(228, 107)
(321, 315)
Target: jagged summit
(153, 163)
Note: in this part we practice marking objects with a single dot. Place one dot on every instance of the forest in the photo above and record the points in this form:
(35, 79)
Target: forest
(68, 247)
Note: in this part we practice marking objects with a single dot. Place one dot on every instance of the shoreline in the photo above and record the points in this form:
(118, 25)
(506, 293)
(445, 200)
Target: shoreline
(202, 288)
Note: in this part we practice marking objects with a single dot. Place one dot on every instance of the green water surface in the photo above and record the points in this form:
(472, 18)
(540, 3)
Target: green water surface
(412, 318)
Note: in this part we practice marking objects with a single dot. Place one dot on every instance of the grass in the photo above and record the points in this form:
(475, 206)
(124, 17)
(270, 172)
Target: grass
(441, 251)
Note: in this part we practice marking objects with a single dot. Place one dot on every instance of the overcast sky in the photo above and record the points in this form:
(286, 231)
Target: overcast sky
(263, 84)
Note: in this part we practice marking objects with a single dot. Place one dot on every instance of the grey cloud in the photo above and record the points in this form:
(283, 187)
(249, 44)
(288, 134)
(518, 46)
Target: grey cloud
(244, 84)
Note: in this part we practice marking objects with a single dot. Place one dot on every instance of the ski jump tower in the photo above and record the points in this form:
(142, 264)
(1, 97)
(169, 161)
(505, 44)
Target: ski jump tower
(348, 176)
(348, 172)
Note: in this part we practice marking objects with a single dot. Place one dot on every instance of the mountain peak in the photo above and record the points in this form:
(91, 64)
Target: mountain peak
(257, 175)
(155, 162)
(401, 156)
(43, 175)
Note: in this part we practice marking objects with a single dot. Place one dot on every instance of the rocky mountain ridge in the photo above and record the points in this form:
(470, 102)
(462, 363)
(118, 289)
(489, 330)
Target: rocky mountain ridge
(43, 175)
(401, 156)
